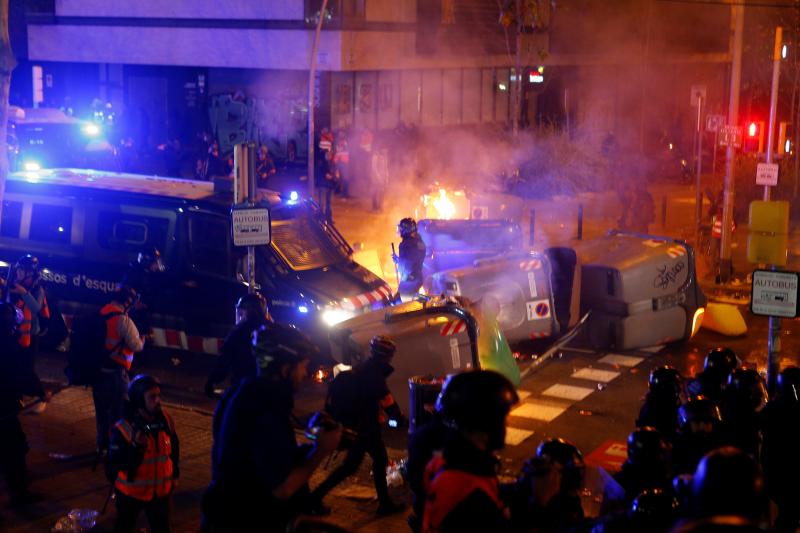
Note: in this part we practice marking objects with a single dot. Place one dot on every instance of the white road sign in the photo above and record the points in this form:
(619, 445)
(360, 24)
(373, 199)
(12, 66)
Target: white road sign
(250, 227)
(767, 174)
(774, 293)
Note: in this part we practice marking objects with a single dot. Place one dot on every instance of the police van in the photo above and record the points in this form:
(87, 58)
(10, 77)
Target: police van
(87, 226)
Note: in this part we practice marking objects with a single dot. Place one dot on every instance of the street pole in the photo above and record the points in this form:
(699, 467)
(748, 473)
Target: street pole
(737, 21)
(518, 70)
(698, 195)
(7, 64)
(774, 340)
(244, 162)
(312, 72)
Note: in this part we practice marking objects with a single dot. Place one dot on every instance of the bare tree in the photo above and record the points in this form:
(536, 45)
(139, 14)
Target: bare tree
(7, 64)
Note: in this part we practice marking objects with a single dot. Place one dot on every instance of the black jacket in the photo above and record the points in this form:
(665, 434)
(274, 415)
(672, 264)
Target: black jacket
(236, 358)
(354, 398)
(16, 377)
(255, 451)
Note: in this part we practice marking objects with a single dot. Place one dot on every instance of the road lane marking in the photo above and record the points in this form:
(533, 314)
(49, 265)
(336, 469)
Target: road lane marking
(538, 411)
(652, 349)
(594, 374)
(523, 394)
(621, 360)
(516, 436)
(568, 392)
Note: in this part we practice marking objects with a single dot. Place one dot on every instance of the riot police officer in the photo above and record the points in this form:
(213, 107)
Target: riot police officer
(699, 420)
(259, 473)
(16, 379)
(745, 396)
(728, 482)
(236, 358)
(409, 262)
(462, 489)
(143, 276)
(779, 452)
(360, 400)
(647, 465)
(660, 408)
(546, 498)
(711, 382)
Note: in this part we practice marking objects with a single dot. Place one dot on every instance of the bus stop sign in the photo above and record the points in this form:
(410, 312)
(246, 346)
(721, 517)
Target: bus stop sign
(774, 293)
(250, 226)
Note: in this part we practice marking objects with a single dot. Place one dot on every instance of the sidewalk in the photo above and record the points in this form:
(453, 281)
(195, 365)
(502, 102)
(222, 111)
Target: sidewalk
(62, 444)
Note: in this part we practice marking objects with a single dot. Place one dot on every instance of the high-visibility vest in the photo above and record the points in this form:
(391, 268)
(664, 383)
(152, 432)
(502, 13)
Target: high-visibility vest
(153, 477)
(445, 489)
(119, 353)
(24, 339)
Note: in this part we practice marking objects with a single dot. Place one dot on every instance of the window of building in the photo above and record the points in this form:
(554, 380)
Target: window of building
(124, 231)
(51, 223)
(209, 244)
(12, 217)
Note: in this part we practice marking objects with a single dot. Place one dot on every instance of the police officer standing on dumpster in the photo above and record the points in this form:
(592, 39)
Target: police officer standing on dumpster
(237, 349)
(360, 400)
(143, 275)
(260, 475)
(143, 458)
(462, 489)
(409, 261)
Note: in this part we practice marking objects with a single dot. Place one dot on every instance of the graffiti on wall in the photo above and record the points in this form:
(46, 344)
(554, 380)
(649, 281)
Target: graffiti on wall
(236, 118)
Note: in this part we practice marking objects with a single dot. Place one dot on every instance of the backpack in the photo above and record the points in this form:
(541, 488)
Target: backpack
(87, 351)
(343, 402)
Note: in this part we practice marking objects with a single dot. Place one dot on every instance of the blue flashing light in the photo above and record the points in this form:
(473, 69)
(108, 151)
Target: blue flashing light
(32, 166)
(303, 309)
(293, 196)
(61, 229)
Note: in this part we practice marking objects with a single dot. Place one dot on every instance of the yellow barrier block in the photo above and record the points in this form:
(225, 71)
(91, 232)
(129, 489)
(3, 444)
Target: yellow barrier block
(725, 319)
(769, 217)
(769, 249)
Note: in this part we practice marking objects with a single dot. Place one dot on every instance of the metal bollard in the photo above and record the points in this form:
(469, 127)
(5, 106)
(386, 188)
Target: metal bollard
(580, 222)
(532, 227)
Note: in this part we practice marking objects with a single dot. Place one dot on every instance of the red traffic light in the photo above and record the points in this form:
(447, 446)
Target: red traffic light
(752, 129)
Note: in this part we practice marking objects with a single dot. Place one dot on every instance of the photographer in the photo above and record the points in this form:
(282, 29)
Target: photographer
(143, 458)
(260, 474)
(361, 401)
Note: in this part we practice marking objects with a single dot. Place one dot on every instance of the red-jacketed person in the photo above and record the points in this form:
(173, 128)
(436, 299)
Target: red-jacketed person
(143, 458)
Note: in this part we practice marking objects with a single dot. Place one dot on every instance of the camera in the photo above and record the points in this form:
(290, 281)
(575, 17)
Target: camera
(323, 421)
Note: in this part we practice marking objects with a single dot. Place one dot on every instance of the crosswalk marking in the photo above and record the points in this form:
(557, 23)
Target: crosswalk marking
(515, 436)
(523, 394)
(568, 392)
(538, 411)
(621, 360)
(594, 374)
(652, 349)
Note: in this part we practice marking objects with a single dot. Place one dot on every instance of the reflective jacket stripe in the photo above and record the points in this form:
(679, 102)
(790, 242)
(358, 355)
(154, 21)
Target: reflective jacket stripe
(119, 353)
(153, 476)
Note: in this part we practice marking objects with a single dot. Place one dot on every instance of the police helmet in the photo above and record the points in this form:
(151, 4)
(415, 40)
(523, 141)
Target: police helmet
(747, 385)
(646, 446)
(666, 380)
(254, 304)
(149, 257)
(567, 455)
(382, 346)
(655, 506)
(125, 295)
(789, 384)
(478, 400)
(275, 345)
(698, 409)
(728, 481)
(721, 361)
(406, 227)
(10, 318)
(138, 387)
(28, 263)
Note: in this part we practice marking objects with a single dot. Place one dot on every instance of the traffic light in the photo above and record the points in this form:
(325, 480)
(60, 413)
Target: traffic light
(785, 136)
(754, 136)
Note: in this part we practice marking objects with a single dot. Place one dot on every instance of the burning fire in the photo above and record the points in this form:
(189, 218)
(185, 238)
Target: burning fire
(444, 206)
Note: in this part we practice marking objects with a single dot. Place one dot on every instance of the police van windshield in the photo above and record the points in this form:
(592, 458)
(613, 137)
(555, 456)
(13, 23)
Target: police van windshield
(304, 244)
